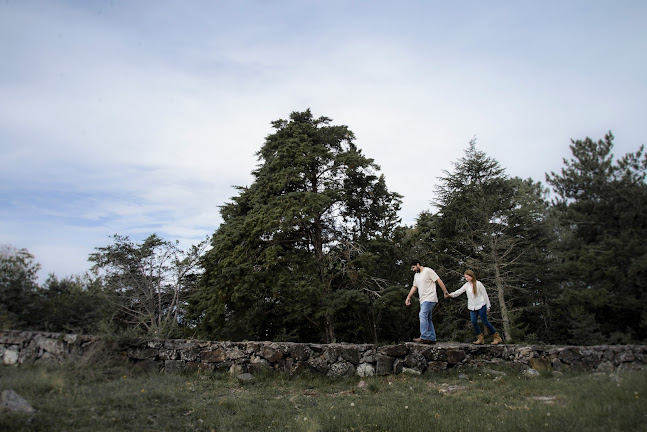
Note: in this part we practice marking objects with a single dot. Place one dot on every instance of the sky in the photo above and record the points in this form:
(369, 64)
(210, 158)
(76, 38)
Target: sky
(139, 117)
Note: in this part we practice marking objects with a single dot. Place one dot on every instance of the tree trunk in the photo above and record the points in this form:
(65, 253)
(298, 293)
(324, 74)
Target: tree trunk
(507, 335)
(329, 330)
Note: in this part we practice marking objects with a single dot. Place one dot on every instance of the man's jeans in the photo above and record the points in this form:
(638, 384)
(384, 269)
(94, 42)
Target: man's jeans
(426, 326)
(474, 315)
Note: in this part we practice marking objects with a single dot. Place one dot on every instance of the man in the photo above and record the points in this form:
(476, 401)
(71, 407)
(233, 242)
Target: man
(424, 281)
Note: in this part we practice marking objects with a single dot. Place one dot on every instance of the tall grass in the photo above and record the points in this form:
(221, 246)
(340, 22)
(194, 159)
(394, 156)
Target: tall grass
(108, 398)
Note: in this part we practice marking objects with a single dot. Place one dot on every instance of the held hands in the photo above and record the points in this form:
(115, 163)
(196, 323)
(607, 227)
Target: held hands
(447, 295)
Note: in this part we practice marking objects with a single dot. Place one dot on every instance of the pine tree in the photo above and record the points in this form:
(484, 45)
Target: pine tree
(600, 209)
(285, 259)
(496, 226)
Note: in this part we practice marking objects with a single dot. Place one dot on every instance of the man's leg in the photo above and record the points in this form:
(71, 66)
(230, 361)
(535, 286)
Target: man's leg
(427, 330)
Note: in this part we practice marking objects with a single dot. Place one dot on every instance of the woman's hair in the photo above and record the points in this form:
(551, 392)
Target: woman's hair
(471, 273)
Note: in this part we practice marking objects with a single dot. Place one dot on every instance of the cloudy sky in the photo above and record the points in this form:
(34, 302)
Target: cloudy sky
(138, 117)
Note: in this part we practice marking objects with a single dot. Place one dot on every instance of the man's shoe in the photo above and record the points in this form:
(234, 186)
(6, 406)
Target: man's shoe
(429, 342)
(419, 340)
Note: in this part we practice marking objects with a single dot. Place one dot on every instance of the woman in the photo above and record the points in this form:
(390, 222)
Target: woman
(478, 303)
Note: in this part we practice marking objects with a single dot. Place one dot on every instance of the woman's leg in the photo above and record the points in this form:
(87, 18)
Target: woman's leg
(474, 317)
(483, 314)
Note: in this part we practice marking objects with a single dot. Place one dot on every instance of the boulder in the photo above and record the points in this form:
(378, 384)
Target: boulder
(12, 402)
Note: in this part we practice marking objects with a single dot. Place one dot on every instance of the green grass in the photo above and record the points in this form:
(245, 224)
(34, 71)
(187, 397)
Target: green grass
(72, 398)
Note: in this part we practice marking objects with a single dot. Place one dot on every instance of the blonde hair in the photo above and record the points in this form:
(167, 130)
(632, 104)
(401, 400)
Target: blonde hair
(471, 273)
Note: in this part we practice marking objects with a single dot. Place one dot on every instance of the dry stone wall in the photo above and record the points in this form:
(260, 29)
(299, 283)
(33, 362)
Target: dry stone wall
(18, 347)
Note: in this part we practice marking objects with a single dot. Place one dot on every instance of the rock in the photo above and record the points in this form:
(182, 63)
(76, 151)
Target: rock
(384, 365)
(542, 364)
(342, 368)
(570, 356)
(235, 369)
(416, 361)
(395, 350)
(350, 354)
(272, 352)
(12, 402)
(524, 353)
(319, 364)
(213, 356)
(452, 357)
(436, 366)
(531, 373)
(605, 366)
(70, 338)
(410, 371)
(10, 357)
(245, 377)
(365, 369)
(172, 366)
(189, 351)
(299, 352)
(142, 353)
(446, 389)
(463, 376)
(397, 366)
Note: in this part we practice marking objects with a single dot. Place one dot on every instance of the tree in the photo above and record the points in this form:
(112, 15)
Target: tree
(496, 226)
(600, 208)
(18, 285)
(289, 243)
(75, 304)
(148, 282)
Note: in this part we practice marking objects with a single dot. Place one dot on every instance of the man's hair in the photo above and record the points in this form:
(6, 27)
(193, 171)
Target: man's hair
(415, 262)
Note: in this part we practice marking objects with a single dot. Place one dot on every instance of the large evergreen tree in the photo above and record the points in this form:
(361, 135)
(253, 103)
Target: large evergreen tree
(298, 246)
(496, 225)
(600, 206)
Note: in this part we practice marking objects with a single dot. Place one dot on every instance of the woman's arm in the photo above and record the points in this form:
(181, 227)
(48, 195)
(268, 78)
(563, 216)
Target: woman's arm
(459, 291)
(481, 287)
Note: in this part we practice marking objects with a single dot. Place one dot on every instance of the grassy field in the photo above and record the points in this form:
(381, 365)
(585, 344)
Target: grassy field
(112, 398)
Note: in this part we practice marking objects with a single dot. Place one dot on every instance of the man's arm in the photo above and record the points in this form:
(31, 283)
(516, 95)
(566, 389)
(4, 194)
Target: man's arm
(442, 285)
(412, 291)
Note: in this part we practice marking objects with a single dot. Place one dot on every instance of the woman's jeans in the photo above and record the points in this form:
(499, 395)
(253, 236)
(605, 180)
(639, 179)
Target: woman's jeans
(426, 326)
(474, 316)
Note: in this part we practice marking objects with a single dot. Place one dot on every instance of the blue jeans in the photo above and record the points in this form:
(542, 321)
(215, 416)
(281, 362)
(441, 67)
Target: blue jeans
(426, 326)
(483, 314)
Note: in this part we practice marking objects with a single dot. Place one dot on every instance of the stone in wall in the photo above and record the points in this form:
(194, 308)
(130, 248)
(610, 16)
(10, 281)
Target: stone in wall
(333, 359)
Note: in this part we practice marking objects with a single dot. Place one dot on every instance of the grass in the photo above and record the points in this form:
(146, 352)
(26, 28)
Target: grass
(103, 398)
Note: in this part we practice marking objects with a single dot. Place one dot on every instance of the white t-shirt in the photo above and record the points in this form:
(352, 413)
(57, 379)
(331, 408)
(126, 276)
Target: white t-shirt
(474, 302)
(425, 281)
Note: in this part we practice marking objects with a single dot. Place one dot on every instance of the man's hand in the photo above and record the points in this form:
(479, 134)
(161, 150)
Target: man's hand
(407, 301)
(447, 295)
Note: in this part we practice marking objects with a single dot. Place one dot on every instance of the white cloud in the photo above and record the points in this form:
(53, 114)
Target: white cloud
(135, 118)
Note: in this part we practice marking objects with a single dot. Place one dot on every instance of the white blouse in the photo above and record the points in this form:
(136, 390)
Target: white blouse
(474, 302)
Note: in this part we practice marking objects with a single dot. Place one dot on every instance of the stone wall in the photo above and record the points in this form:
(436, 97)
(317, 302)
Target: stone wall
(18, 347)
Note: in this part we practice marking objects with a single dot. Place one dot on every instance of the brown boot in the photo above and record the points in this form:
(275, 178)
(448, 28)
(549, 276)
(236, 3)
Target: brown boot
(497, 339)
(479, 340)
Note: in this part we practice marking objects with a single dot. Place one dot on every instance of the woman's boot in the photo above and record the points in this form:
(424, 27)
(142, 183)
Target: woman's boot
(497, 339)
(479, 340)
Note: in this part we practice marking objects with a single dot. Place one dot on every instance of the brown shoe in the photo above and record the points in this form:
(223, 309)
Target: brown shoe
(429, 342)
(418, 340)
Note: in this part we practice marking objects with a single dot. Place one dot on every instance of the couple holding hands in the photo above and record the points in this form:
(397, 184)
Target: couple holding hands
(478, 302)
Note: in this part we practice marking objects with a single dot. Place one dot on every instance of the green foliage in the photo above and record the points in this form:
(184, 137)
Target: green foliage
(72, 304)
(496, 226)
(304, 232)
(147, 283)
(18, 285)
(600, 208)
